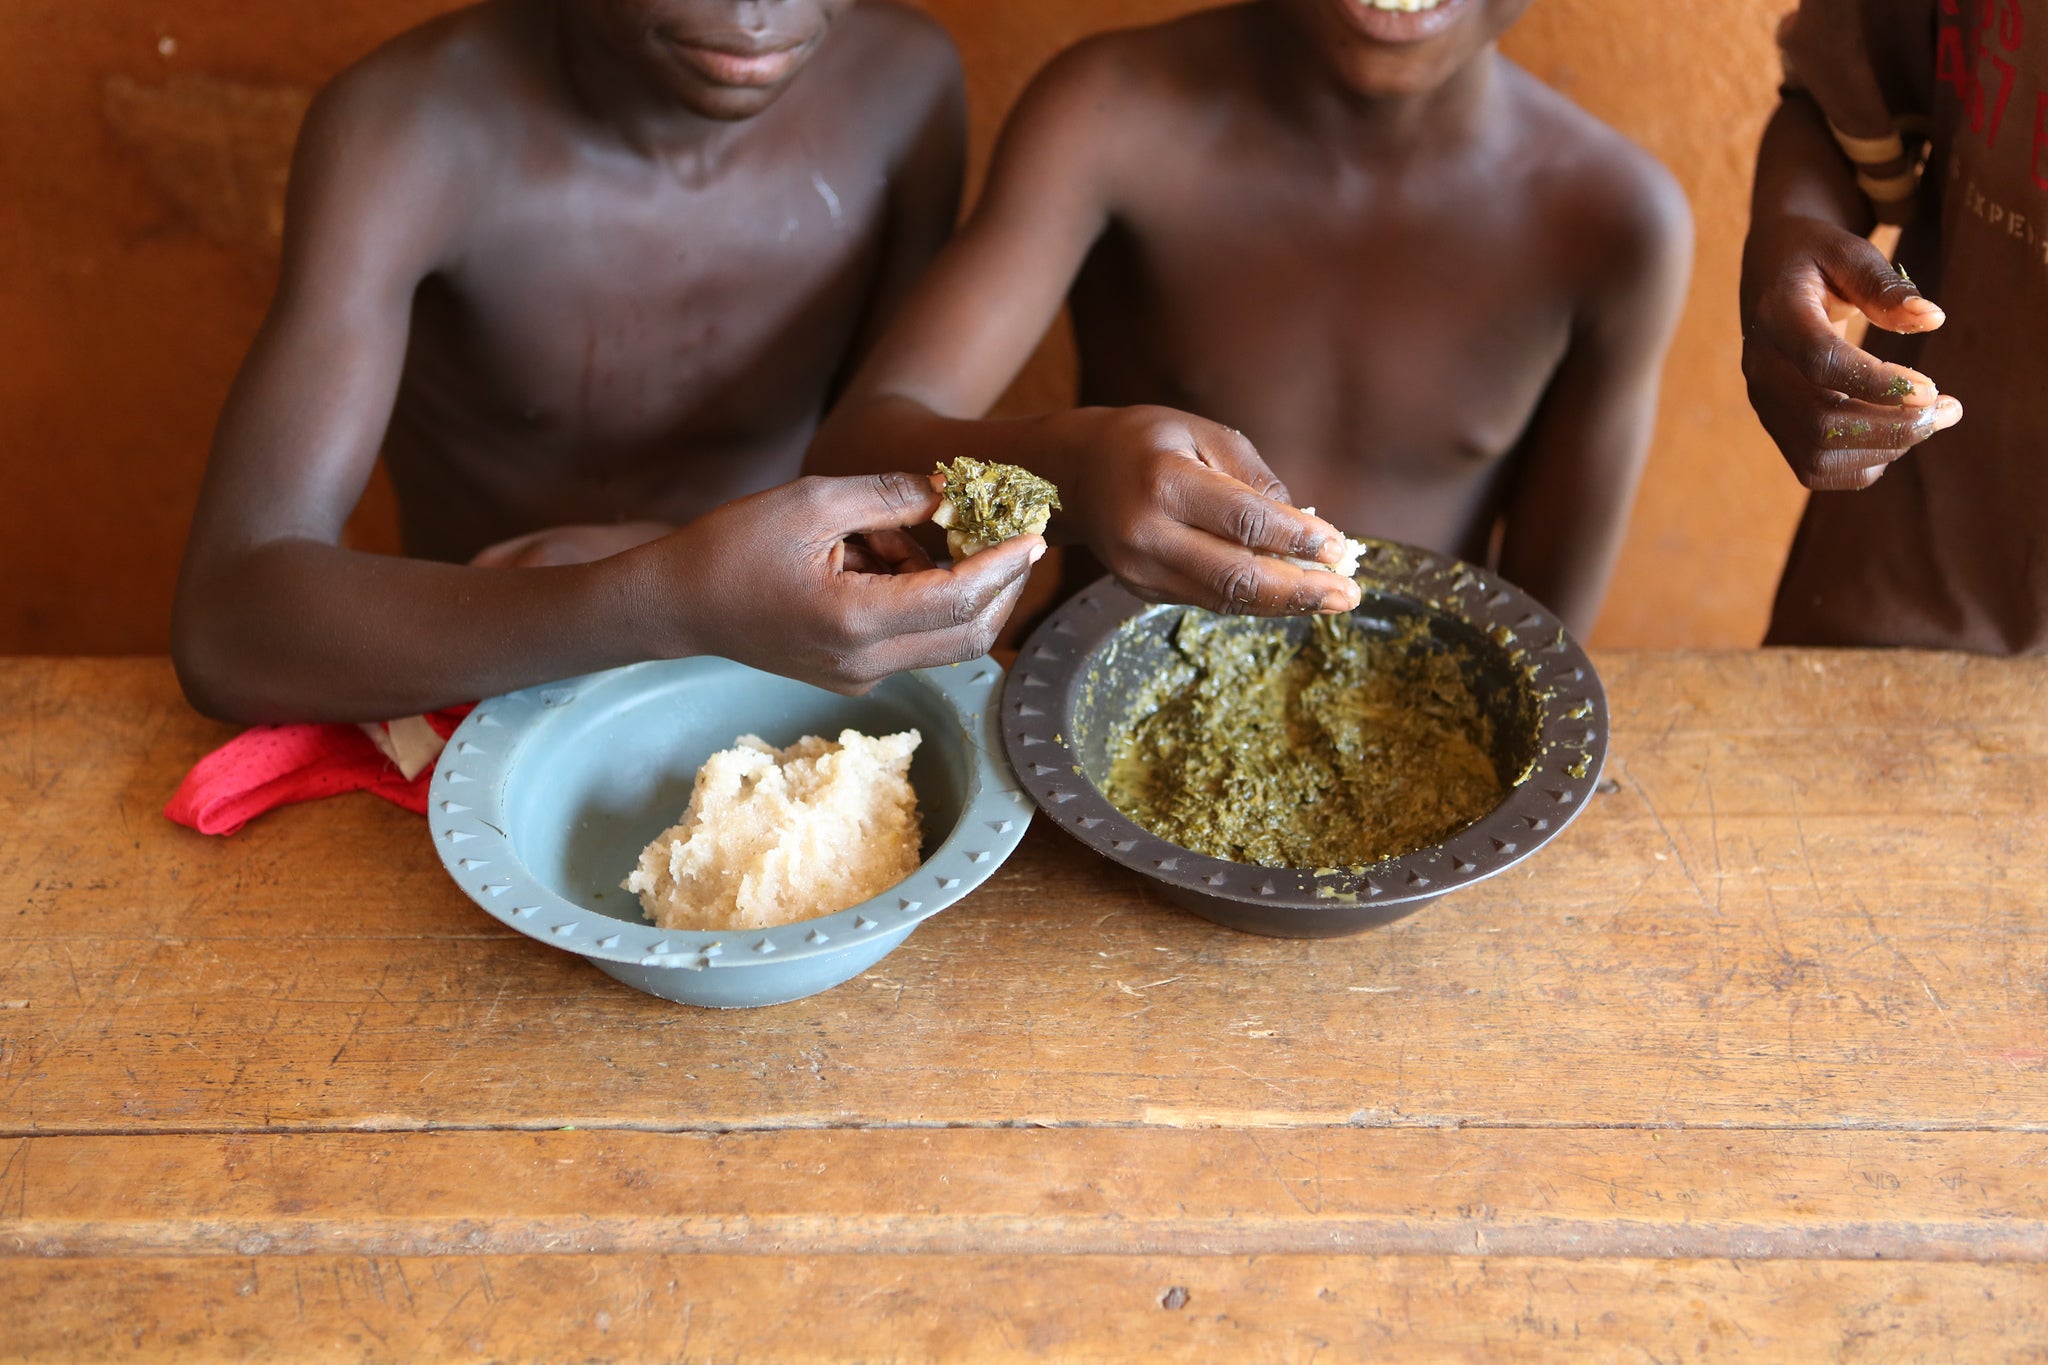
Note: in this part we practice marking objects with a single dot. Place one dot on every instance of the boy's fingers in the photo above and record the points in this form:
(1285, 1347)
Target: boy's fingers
(837, 508)
(897, 551)
(1852, 425)
(941, 599)
(1224, 506)
(1795, 323)
(1844, 471)
(1860, 274)
(1231, 451)
(952, 644)
(1208, 572)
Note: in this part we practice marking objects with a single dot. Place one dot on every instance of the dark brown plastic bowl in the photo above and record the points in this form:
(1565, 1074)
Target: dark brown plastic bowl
(1077, 674)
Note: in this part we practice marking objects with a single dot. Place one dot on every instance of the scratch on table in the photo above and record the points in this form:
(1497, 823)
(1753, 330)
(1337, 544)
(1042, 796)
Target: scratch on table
(1898, 955)
(1670, 841)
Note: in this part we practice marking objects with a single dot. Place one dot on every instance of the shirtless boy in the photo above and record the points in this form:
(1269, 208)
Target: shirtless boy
(586, 270)
(1907, 540)
(1348, 245)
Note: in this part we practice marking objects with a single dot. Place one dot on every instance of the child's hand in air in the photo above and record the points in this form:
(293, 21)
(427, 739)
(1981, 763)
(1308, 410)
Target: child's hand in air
(817, 580)
(1184, 510)
(1839, 415)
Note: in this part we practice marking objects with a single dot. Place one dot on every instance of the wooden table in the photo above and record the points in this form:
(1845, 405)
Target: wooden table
(1751, 1064)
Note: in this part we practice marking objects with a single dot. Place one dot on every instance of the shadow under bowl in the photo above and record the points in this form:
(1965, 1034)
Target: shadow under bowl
(1085, 668)
(544, 799)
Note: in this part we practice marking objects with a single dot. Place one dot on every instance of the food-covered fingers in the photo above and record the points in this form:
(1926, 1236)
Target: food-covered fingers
(1209, 500)
(1193, 566)
(1793, 325)
(1842, 423)
(1830, 440)
(1859, 273)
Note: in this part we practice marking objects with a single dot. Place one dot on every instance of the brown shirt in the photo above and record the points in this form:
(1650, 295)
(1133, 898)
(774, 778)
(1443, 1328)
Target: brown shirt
(1950, 548)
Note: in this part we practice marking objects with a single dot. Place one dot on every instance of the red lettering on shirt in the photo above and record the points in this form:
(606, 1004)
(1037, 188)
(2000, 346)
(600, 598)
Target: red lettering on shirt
(1951, 67)
(2012, 24)
(1962, 58)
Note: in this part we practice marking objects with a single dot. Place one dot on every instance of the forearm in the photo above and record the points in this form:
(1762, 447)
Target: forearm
(300, 630)
(1569, 513)
(1801, 173)
(1566, 568)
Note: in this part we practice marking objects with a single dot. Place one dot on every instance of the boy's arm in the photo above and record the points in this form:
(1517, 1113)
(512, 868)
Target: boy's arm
(275, 621)
(1839, 415)
(1174, 504)
(1584, 451)
(925, 182)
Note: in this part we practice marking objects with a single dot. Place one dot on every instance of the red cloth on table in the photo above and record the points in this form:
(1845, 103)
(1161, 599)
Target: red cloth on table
(268, 766)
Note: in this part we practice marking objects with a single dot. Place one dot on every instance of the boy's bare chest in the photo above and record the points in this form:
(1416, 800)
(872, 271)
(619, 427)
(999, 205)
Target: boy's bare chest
(1423, 336)
(643, 312)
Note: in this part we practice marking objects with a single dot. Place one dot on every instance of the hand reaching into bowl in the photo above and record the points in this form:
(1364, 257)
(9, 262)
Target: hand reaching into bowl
(1182, 509)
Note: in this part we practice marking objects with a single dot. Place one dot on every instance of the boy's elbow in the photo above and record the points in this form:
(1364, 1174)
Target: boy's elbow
(203, 675)
(211, 671)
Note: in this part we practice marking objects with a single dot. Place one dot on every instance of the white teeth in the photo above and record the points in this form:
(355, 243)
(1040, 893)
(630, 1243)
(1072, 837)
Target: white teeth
(1403, 6)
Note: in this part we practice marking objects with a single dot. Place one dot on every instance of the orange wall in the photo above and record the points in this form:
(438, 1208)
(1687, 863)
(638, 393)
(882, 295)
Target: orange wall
(142, 152)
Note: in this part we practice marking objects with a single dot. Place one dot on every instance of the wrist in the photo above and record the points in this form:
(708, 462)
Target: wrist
(632, 600)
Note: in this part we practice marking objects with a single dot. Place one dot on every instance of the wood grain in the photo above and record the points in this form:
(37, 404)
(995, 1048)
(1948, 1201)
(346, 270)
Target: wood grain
(1474, 1192)
(1067, 1308)
(1814, 900)
(1750, 1064)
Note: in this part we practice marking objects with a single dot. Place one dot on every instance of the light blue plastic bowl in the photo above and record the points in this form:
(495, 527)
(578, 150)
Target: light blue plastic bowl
(544, 799)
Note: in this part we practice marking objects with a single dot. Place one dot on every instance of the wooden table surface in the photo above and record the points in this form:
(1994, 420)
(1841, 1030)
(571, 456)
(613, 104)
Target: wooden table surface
(1750, 1064)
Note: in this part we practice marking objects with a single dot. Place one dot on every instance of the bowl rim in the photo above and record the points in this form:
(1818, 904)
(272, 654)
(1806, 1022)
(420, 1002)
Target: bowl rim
(1044, 685)
(466, 811)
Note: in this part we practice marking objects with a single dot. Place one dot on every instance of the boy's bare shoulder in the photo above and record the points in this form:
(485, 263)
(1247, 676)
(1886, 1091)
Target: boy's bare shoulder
(895, 40)
(1590, 180)
(441, 91)
(895, 57)
(1194, 56)
(1118, 97)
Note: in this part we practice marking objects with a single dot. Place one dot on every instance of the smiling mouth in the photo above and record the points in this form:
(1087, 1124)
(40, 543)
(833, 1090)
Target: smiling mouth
(752, 69)
(1403, 21)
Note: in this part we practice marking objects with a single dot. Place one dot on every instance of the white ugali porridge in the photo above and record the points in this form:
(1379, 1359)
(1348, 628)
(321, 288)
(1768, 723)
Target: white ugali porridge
(777, 835)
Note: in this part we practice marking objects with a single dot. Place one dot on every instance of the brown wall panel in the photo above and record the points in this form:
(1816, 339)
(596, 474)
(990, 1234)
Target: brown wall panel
(142, 150)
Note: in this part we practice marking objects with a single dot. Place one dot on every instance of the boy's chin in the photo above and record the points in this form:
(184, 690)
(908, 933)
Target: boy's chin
(727, 104)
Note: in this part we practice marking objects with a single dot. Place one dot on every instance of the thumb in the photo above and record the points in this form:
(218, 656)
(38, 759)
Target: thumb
(940, 599)
(989, 571)
(868, 502)
(1859, 273)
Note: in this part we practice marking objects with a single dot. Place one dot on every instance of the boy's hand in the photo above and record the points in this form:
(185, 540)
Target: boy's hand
(560, 545)
(774, 581)
(1184, 510)
(1839, 415)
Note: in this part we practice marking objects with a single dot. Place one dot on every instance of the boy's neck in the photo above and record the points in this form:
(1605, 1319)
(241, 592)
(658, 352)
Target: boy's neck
(620, 95)
(1342, 109)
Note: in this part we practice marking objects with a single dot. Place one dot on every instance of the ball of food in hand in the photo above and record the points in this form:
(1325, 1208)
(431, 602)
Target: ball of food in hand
(986, 504)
